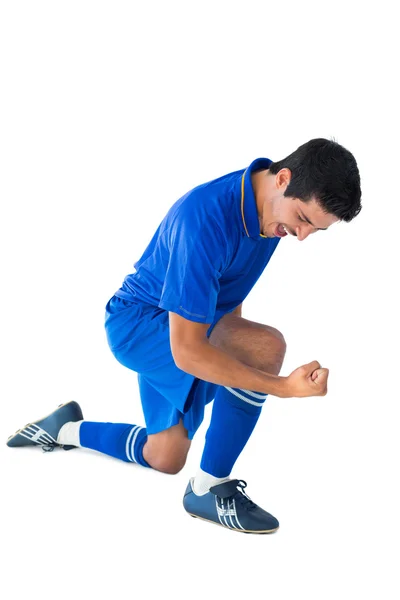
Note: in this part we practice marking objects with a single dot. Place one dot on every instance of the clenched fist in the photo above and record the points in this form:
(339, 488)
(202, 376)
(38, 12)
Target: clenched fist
(308, 380)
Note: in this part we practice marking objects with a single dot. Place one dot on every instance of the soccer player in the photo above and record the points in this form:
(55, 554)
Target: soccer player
(176, 321)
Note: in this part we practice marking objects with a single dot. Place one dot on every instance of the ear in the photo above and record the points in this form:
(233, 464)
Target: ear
(283, 178)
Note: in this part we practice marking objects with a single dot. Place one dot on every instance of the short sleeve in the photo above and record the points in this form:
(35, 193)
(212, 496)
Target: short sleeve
(196, 257)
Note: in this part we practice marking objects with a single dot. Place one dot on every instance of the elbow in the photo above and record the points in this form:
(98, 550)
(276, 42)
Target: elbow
(185, 357)
(178, 354)
(182, 360)
(178, 360)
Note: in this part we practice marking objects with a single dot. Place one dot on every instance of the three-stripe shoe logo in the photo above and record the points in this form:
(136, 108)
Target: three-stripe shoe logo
(226, 511)
(36, 434)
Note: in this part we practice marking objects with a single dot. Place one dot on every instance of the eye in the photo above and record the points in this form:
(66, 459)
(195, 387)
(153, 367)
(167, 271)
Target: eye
(301, 219)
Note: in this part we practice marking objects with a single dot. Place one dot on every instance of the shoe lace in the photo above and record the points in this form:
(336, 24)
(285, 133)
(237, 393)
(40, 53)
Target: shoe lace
(243, 498)
(48, 447)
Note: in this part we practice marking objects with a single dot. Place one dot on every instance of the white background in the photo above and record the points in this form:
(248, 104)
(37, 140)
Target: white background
(110, 111)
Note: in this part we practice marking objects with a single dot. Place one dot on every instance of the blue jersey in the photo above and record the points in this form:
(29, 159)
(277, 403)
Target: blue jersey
(207, 253)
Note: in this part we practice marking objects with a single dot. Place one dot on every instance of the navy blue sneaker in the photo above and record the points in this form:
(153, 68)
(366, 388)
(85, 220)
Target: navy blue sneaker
(44, 432)
(228, 505)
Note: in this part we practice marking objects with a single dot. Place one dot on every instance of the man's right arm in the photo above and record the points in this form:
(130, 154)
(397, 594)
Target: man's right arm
(194, 354)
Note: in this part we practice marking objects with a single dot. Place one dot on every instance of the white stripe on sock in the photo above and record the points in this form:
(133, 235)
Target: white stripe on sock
(260, 396)
(133, 444)
(244, 397)
(127, 445)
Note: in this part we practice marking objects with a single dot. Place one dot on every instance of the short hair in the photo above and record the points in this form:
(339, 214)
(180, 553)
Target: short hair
(327, 172)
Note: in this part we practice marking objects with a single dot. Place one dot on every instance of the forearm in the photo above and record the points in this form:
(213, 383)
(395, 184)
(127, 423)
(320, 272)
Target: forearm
(213, 364)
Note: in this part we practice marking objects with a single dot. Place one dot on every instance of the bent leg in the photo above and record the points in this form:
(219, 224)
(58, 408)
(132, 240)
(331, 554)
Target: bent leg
(120, 440)
(236, 411)
(165, 451)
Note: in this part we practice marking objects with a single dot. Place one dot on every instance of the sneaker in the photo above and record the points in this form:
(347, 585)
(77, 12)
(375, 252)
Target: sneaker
(228, 505)
(44, 432)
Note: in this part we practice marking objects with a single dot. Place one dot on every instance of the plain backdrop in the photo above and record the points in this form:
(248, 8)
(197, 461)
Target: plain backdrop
(110, 111)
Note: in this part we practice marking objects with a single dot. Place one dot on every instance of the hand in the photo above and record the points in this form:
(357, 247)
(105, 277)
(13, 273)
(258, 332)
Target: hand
(308, 380)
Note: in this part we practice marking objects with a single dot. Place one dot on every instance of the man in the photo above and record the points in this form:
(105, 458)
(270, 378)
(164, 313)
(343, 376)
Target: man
(176, 321)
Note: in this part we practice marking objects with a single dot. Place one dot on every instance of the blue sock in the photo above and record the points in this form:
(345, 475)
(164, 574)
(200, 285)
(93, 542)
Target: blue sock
(115, 439)
(234, 416)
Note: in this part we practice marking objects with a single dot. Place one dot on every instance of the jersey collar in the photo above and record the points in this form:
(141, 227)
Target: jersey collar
(248, 207)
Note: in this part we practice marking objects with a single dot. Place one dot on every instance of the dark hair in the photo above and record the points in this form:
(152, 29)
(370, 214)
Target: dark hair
(324, 170)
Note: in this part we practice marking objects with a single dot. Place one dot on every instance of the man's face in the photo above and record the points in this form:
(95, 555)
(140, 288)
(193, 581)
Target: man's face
(291, 216)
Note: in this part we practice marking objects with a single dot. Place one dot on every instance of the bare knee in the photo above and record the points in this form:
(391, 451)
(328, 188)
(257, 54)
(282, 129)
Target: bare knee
(272, 360)
(167, 451)
(277, 345)
(255, 344)
(271, 339)
(278, 341)
(166, 464)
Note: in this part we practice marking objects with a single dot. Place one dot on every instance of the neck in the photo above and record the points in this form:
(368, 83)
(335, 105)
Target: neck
(258, 180)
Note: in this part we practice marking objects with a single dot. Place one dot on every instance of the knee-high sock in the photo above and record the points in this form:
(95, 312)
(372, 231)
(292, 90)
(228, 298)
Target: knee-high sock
(120, 440)
(234, 416)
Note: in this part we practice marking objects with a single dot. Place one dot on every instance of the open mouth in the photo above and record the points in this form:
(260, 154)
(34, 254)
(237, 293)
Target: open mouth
(281, 231)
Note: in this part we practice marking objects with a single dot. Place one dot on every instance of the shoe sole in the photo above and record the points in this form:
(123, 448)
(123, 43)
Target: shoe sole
(264, 531)
(35, 422)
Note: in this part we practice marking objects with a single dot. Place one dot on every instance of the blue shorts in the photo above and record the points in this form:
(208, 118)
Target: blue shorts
(138, 336)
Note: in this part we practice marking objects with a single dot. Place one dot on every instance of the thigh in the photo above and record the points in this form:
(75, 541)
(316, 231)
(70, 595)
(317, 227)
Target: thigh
(138, 336)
